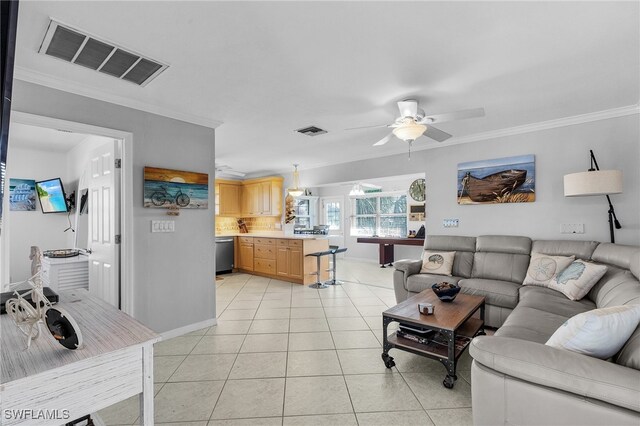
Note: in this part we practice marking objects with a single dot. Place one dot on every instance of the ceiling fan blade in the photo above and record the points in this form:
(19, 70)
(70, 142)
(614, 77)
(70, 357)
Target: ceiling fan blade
(383, 140)
(408, 108)
(436, 134)
(456, 115)
(367, 127)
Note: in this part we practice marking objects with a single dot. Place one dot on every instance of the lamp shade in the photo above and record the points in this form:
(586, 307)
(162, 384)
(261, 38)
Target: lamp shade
(410, 131)
(595, 182)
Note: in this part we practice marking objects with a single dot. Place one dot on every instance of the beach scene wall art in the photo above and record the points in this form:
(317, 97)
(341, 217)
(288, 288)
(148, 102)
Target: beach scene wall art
(22, 195)
(164, 188)
(500, 180)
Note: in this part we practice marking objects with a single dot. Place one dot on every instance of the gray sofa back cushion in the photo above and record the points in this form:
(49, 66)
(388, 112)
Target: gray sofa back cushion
(635, 264)
(463, 246)
(580, 249)
(501, 257)
(615, 254)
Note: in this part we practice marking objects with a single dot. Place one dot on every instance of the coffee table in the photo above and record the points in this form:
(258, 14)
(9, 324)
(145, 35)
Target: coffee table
(452, 324)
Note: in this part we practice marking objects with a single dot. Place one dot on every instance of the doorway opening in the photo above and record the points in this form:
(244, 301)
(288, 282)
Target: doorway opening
(91, 165)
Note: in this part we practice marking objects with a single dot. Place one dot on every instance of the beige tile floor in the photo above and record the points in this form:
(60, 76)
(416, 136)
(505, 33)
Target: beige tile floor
(285, 354)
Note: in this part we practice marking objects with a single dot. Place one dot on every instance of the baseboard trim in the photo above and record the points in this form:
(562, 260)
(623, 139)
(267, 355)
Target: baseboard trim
(176, 332)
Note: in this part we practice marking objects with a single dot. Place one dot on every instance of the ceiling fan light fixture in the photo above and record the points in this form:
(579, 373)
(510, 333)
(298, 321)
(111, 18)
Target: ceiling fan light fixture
(410, 131)
(356, 190)
(296, 191)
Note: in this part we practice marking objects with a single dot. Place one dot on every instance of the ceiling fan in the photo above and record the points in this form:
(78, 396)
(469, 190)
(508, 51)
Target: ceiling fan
(224, 170)
(413, 123)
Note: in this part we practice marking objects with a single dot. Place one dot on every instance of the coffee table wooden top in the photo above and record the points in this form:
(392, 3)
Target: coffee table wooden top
(447, 315)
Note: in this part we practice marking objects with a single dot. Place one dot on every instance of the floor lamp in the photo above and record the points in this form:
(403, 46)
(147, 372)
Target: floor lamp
(596, 182)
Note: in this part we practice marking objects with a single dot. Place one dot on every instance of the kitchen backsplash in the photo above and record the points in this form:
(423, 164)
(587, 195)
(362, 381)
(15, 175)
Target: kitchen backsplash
(254, 224)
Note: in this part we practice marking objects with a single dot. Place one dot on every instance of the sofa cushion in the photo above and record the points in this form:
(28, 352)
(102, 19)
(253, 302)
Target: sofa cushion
(500, 266)
(531, 324)
(496, 292)
(503, 244)
(463, 246)
(579, 249)
(578, 278)
(437, 262)
(543, 268)
(616, 287)
(548, 300)
(635, 264)
(615, 254)
(599, 333)
(420, 282)
(629, 355)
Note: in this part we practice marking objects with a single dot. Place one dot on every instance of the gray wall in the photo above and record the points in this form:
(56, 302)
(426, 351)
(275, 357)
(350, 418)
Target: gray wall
(174, 273)
(558, 152)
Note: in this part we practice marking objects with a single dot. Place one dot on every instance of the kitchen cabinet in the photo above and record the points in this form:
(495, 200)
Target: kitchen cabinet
(284, 258)
(229, 199)
(245, 253)
(262, 197)
(290, 259)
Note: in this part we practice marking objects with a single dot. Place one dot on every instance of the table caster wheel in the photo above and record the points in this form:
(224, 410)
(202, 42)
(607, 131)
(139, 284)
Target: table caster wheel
(388, 361)
(449, 381)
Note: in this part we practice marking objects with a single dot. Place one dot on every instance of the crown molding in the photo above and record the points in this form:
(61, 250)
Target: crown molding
(545, 125)
(493, 134)
(31, 76)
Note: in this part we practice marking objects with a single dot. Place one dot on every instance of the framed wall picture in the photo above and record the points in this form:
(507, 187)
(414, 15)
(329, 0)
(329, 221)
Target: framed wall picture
(22, 195)
(500, 180)
(166, 188)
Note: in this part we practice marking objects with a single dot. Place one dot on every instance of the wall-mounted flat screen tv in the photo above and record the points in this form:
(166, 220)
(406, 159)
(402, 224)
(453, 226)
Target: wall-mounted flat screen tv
(52, 196)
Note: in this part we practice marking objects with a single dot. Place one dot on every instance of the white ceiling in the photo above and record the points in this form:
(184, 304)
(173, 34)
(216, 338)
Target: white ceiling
(267, 68)
(42, 139)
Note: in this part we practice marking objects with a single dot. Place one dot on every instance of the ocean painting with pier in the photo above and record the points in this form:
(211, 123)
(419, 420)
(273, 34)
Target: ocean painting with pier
(500, 180)
(164, 188)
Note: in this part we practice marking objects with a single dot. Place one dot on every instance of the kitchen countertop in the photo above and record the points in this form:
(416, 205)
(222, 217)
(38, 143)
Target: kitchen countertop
(274, 234)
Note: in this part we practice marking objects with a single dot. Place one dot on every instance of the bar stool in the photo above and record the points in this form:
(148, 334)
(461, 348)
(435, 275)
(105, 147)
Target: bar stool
(334, 251)
(318, 255)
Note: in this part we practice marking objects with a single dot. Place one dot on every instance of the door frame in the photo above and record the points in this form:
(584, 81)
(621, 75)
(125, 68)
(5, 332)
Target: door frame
(126, 191)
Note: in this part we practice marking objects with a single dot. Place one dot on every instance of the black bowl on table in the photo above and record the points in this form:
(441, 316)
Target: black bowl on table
(446, 294)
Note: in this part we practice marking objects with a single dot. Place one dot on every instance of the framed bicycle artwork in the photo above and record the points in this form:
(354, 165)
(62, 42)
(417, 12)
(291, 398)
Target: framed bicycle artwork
(165, 188)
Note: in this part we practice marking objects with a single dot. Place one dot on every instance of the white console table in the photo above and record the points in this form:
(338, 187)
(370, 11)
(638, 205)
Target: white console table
(115, 364)
(66, 273)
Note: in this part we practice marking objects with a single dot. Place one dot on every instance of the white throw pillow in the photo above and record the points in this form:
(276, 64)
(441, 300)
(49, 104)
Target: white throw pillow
(599, 333)
(542, 268)
(437, 262)
(576, 280)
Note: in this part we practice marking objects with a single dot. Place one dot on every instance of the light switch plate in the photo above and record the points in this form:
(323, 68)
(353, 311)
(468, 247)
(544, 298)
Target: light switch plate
(163, 226)
(450, 223)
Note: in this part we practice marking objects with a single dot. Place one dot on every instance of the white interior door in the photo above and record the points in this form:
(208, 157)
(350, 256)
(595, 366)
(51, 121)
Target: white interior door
(104, 224)
(333, 215)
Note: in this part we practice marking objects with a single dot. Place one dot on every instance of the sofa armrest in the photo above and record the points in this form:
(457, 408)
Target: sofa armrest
(559, 369)
(408, 266)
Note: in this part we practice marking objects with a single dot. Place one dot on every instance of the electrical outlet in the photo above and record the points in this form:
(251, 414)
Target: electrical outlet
(572, 228)
(450, 223)
(163, 226)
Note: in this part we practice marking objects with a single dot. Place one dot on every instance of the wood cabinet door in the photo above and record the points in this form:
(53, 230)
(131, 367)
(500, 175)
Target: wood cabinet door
(276, 198)
(282, 261)
(252, 199)
(229, 199)
(265, 198)
(296, 262)
(246, 257)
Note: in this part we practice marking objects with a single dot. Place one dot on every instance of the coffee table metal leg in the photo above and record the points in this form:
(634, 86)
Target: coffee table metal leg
(481, 331)
(386, 346)
(450, 362)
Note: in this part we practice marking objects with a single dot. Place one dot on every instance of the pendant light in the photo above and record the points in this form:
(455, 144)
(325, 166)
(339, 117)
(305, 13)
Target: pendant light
(296, 191)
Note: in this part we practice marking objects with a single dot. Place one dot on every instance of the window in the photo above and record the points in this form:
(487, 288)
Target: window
(382, 214)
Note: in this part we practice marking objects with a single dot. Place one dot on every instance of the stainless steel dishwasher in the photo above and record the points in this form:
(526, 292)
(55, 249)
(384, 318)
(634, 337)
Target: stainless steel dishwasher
(224, 254)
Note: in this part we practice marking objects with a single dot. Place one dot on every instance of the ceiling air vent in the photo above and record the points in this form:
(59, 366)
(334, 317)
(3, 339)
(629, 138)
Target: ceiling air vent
(311, 131)
(72, 45)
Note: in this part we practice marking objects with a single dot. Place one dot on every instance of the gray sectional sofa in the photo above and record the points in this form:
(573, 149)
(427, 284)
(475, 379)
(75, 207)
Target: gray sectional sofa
(516, 378)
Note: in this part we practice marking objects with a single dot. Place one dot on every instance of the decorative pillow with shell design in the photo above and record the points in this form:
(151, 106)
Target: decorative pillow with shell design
(576, 280)
(543, 268)
(437, 262)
